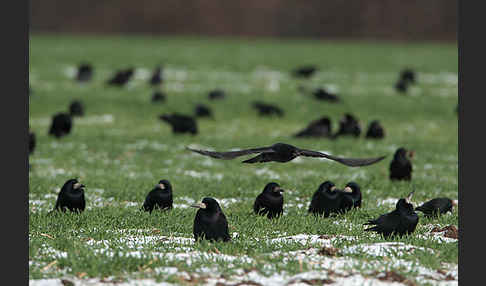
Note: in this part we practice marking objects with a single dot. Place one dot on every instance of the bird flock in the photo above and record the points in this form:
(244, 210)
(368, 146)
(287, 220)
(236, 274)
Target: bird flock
(210, 222)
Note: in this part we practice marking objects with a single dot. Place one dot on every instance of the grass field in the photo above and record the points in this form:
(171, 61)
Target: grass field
(120, 149)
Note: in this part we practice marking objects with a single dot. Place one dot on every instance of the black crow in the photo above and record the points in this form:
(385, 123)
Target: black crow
(375, 130)
(317, 128)
(61, 125)
(402, 220)
(322, 94)
(408, 75)
(353, 191)
(202, 111)
(76, 108)
(327, 200)
(121, 77)
(435, 207)
(401, 86)
(216, 94)
(304, 71)
(85, 72)
(71, 197)
(270, 201)
(265, 109)
(210, 222)
(281, 152)
(156, 77)
(348, 125)
(180, 123)
(401, 166)
(158, 96)
(159, 197)
(31, 142)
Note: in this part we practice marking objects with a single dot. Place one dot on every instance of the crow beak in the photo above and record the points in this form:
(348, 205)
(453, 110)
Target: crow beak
(278, 189)
(333, 188)
(348, 190)
(408, 199)
(199, 205)
(78, 185)
(162, 186)
(411, 154)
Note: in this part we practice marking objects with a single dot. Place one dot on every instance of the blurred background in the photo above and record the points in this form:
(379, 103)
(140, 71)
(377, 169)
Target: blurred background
(410, 20)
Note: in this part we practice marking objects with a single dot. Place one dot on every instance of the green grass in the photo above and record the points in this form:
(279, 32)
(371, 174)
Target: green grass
(121, 158)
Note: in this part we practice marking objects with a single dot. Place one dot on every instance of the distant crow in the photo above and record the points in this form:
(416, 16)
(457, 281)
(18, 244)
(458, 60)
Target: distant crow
(317, 128)
(265, 109)
(76, 108)
(180, 123)
(122, 77)
(202, 110)
(375, 130)
(158, 96)
(348, 125)
(156, 77)
(304, 71)
(85, 72)
(216, 94)
(401, 166)
(61, 125)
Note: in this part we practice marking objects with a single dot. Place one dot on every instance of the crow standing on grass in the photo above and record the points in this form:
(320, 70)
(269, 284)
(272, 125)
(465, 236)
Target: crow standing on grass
(61, 125)
(156, 77)
(328, 200)
(317, 128)
(180, 123)
(122, 77)
(265, 109)
(401, 166)
(348, 125)
(322, 94)
(403, 220)
(304, 71)
(375, 130)
(85, 72)
(281, 152)
(436, 207)
(210, 222)
(270, 201)
(76, 108)
(158, 96)
(353, 191)
(71, 197)
(202, 110)
(216, 94)
(159, 197)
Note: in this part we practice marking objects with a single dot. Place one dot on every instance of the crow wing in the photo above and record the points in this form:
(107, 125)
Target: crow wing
(231, 154)
(352, 162)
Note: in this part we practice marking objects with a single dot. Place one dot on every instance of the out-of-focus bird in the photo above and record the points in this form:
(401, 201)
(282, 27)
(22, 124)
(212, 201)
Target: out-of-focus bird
(403, 220)
(180, 123)
(265, 109)
(159, 197)
(322, 94)
(401, 166)
(348, 125)
(325, 200)
(210, 222)
(317, 128)
(375, 130)
(401, 86)
(270, 201)
(71, 197)
(216, 94)
(304, 71)
(76, 108)
(281, 152)
(202, 110)
(122, 77)
(408, 75)
(436, 207)
(85, 72)
(61, 125)
(32, 142)
(158, 96)
(156, 78)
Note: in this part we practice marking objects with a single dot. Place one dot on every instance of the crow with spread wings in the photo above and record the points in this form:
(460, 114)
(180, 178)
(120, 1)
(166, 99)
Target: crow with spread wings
(281, 152)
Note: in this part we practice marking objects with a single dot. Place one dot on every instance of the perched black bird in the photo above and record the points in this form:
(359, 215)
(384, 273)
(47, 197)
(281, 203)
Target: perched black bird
(122, 77)
(322, 94)
(156, 77)
(401, 86)
(327, 200)
(158, 96)
(160, 197)
(402, 220)
(348, 125)
(435, 207)
(180, 123)
(375, 130)
(265, 109)
(71, 197)
(61, 125)
(353, 191)
(85, 72)
(270, 201)
(408, 75)
(401, 166)
(76, 108)
(216, 94)
(281, 152)
(31, 142)
(304, 71)
(202, 111)
(210, 222)
(317, 128)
